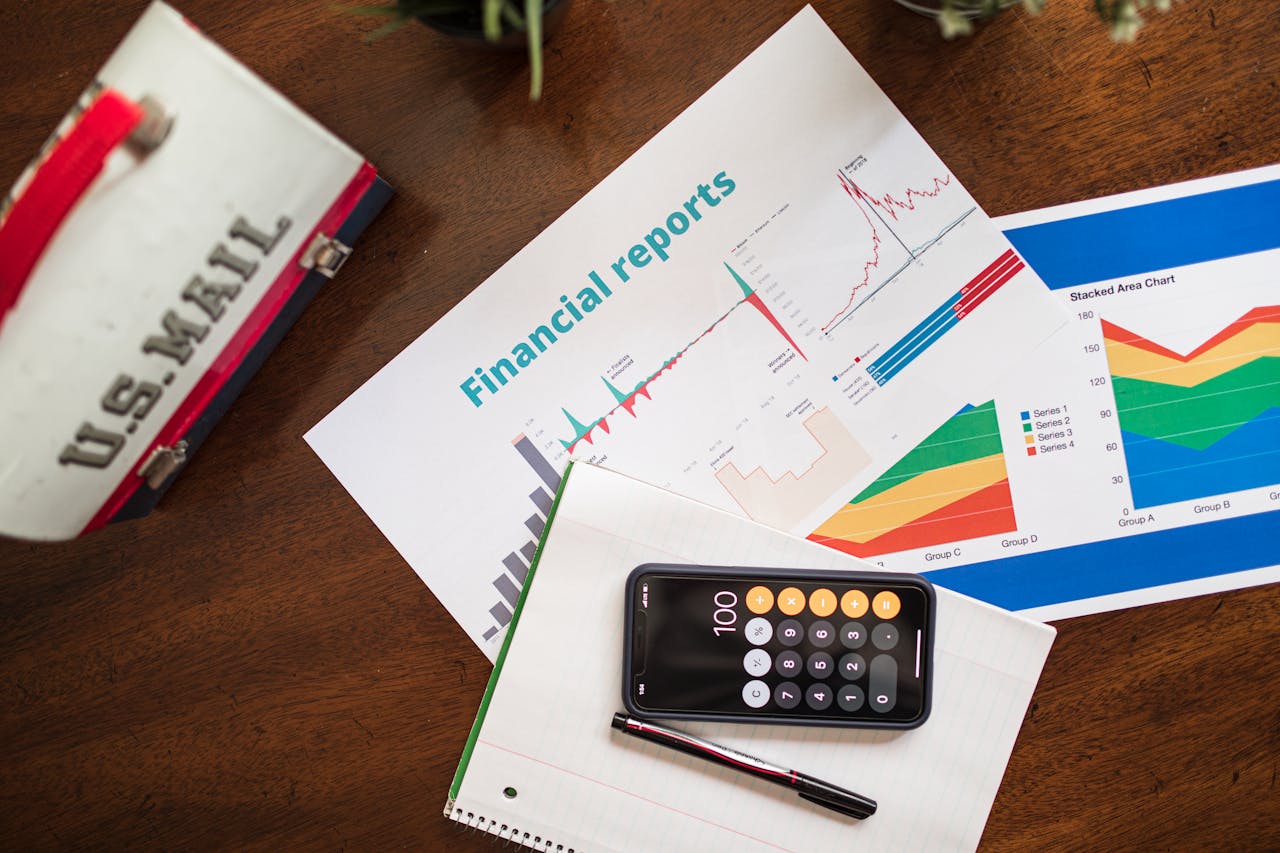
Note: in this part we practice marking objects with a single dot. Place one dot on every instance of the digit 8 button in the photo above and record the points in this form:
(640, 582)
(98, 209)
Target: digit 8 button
(886, 604)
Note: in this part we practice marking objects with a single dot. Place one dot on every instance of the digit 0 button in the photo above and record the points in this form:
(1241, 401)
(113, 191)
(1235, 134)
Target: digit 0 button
(791, 601)
(854, 603)
(759, 599)
(886, 604)
(822, 602)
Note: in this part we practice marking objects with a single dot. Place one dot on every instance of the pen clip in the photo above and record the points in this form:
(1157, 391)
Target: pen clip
(847, 809)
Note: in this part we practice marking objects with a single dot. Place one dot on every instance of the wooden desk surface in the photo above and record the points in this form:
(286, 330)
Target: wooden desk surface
(255, 666)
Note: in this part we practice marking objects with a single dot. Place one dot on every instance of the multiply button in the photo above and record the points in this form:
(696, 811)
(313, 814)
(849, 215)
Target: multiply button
(886, 604)
(791, 601)
(882, 686)
(759, 599)
(822, 602)
(854, 603)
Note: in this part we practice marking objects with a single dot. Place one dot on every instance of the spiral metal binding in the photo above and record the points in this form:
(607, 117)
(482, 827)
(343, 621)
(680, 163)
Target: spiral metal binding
(508, 833)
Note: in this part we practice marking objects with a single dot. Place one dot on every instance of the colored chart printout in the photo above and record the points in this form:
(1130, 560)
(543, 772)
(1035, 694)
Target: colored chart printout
(1142, 442)
(763, 332)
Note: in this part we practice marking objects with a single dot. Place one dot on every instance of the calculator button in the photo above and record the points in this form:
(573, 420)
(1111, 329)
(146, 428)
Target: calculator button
(882, 687)
(760, 599)
(822, 633)
(850, 698)
(822, 602)
(789, 663)
(820, 665)
(854, 604)
(758, 630)
(756, 662)
(884, 636)
(886, 604)
(755, 694)
(818, 697)
(853, 635)
(791, 601)
(853, 666)
(790, 632)
(787, 695)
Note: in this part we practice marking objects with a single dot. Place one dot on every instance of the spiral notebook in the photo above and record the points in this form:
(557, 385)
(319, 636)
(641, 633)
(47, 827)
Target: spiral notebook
(543, 768)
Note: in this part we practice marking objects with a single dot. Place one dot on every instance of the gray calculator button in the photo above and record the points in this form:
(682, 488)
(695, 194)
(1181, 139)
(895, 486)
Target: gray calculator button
(758, 630)
(787, 695)
(818, 697)
(790, 632)
(884, 636)
(755, 694)
(756, 662)
(882, 688)
(820, 665)
(853, 666)
(853, 635)
(789, 663)
(850, 698)
(822, 633)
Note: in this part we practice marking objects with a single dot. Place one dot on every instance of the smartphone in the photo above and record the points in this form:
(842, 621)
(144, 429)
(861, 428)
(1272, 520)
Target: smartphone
(759, 645)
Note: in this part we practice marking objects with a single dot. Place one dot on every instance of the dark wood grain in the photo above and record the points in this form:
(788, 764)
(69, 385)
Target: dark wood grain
(254, 666)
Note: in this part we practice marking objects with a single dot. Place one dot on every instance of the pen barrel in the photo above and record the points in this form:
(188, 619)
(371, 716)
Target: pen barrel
(715, 752)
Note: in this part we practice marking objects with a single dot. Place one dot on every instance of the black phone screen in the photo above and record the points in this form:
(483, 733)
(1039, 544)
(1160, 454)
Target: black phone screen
(778, 645)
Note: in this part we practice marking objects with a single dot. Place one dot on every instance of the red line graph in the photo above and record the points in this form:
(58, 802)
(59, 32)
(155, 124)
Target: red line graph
(891, 206)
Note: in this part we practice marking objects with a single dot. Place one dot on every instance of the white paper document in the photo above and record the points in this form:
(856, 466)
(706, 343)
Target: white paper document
(544, 768)
(764, 308)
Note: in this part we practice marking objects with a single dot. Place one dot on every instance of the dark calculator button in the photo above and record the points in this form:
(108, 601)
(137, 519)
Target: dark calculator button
(789, 664)
(853, 635)
(820, 665)
(818, 697)
(850, 698)
(790, 632)
(884, 636)
(787, 695)
(853, 666)
(822, 633)
(882, 687)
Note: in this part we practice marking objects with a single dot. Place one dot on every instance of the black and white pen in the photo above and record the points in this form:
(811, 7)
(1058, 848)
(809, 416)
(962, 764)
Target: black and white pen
(815, 790)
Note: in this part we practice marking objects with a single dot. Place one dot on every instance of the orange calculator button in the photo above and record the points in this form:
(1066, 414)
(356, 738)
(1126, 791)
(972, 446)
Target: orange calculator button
(886, 604)
(760, 599)
(854, 603)
(822, 602)
(791, 601)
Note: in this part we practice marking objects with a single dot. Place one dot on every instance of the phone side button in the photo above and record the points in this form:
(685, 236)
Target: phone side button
(882, 684)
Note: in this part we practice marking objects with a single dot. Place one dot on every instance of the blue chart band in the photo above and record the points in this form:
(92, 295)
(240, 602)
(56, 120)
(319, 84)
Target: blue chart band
(1119, 565)
(1156, 236)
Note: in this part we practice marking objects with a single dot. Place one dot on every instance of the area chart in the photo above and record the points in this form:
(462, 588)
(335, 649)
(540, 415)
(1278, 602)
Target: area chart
(1201, 424)
(954, 485)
